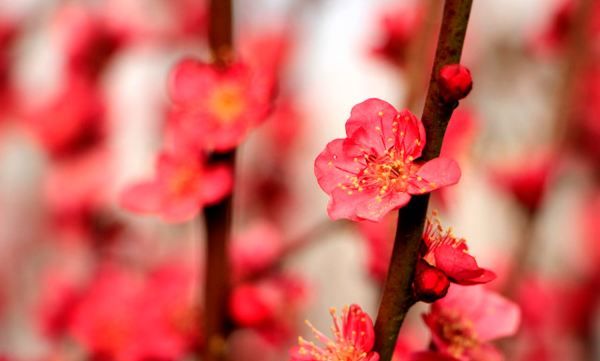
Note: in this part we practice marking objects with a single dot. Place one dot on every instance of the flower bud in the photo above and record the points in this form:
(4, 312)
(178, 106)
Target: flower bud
(455, 82)
(430, 283)
(251, 305)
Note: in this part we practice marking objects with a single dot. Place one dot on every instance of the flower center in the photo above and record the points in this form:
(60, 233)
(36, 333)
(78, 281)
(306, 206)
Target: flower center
(227, 103)
(385, 173)
(184, 181)
(435, 236)
(457, 332)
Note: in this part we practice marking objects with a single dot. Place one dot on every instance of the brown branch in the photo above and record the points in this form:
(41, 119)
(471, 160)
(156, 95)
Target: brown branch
(397, 294)
(418, 52)
(576, 58)
(218, 217)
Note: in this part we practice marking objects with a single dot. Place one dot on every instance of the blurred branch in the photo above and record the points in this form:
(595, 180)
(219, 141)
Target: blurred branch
(576, 58)
(397, 294)
(314, 233)
(418, 52)
(218, 217)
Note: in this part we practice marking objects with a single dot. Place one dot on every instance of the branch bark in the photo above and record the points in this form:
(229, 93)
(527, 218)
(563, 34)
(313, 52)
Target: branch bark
(218, 217)
(397, 296)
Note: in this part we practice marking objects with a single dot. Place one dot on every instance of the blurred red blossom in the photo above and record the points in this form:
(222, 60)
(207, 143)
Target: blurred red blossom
(271, 306)
(556, 32)
(253, 250)
(87, 42)
(103, 322)
(59, 294)
(379, 238)
(168, 313)
(449, 254)
(353, 340)
(465, 321)
(215, 107)
(123, 315)
(398, 29)
(183, 184)
(590, 230)
(9, 31)
(586, 127)
(376, 170)
(266, 51)
(87, 176)
(527, 178)
(70, 121)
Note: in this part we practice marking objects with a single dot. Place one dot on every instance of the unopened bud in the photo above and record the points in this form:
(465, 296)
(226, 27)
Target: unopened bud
(455, 82)
(430, 283)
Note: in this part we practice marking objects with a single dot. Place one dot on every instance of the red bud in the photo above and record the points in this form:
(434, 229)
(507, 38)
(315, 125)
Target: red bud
(455, 82)
(430, 283)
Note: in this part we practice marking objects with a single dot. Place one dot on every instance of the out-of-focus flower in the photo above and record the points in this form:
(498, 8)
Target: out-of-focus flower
(270, 306)
(104, 321)
(398, 30)
(586, 127)
(455, 82)
(126, 317)
(59, 294)
(87, 177)
(449, 254)
(458, 141)
(284, 126)
(86, 41)
(465, 321)
(266, 52)
(183, 184)
(590, 230)
(255, 249)
(8, 34)
(353, 340)
(215, 107)
(376, 169)
(460, 133)
(191, 16)
(168, 315)
(549, 333)
(556, 33)
(380, 239)
(69, 122)
(527, 178)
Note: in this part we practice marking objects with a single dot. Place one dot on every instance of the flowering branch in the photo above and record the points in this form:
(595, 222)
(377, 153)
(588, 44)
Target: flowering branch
(398, 294)
(218, 217)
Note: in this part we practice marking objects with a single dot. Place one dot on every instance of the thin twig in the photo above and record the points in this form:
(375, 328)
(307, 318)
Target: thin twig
(397, 294)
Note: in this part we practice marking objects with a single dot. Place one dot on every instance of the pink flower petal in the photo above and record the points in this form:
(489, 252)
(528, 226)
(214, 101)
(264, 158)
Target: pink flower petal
(460, 267)
(436, 173)
(190, 79)
(217, 182)
(410, 134)
(375, 117)
(142, 197)
(492, 315)
(335, 164)
(179, 210)
(365, 205)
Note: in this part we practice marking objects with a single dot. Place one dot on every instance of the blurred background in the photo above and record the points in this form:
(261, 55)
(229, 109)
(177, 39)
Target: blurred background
(83, 108)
